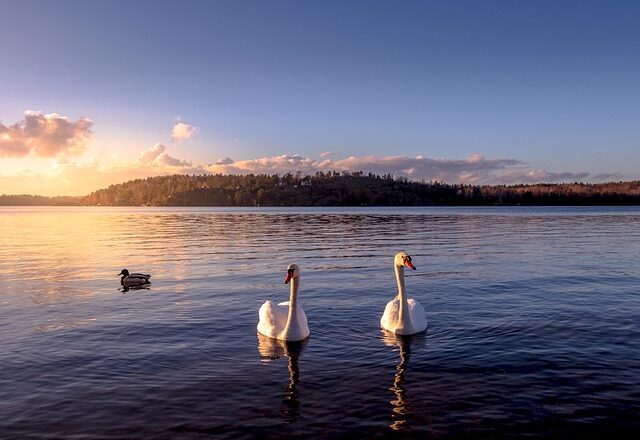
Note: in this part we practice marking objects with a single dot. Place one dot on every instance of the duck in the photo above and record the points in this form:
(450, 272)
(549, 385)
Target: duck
(285, 321)
(402, 315)
(133, 279)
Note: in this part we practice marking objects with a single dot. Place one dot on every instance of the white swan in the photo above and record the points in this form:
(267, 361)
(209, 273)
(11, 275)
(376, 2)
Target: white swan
(286, 321)
(401, 315)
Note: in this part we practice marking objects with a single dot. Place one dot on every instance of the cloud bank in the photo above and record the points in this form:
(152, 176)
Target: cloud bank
(79, 178)
(475, 169)
(55, 136)
(45, 135)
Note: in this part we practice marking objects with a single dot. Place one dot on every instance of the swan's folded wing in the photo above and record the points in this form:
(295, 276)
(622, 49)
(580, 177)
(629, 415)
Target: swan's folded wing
(273, 318)
(266, 314)
(389, 318)
(418, 315)
(302, 317)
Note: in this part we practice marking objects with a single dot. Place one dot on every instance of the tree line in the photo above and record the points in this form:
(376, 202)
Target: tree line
(349, 189)
(31, 200)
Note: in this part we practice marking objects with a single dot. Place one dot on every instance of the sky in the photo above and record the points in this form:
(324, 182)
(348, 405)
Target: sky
(94, 93)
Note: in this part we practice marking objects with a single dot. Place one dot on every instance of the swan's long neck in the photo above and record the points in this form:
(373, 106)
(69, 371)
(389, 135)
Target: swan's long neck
(402, 296)
(293, 304)
(403, 315)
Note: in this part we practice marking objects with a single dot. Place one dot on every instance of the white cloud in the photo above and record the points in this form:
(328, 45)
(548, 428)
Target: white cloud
(182, 132)
(152, 153)
(472, 158)
(268, 165)
(45, 135)
(510, 176)
(157, 156)
(225, 161)
(164, 160)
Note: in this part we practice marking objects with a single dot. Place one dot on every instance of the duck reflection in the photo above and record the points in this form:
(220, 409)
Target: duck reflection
(273, 349)
(401, 407)
(125, 289)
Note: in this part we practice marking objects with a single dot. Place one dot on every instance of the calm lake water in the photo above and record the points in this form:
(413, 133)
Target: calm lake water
(534, 323)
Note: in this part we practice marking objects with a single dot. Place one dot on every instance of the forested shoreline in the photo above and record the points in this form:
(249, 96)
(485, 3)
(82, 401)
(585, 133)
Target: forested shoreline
(32, 200)
(334, 189)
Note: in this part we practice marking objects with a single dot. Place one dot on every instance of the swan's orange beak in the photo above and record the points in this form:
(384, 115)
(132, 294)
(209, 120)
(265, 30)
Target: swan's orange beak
(409, 264)
(288, 277)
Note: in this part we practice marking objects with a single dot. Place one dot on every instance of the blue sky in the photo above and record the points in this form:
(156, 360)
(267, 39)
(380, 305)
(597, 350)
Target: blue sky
(554, 85)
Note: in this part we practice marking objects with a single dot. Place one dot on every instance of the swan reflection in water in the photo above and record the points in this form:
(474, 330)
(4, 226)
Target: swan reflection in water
(273, 349)
(401, 407)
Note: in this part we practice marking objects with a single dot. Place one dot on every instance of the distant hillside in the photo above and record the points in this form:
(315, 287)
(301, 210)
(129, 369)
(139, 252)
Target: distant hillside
(349, 189)
(29, 200)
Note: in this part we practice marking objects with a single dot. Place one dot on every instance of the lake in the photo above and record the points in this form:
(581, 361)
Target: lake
(534, 323)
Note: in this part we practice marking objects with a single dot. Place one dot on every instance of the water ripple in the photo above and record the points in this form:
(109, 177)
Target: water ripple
(533, 323)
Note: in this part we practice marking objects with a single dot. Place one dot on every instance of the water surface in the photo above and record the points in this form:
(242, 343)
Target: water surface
(534, 323)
